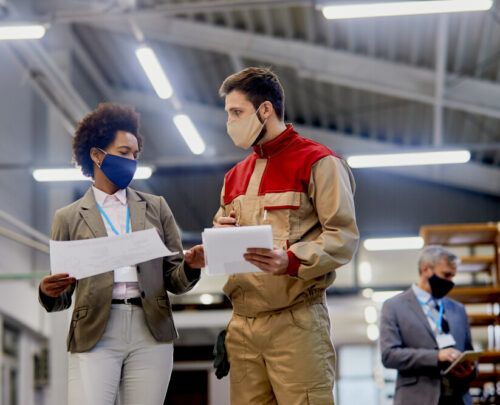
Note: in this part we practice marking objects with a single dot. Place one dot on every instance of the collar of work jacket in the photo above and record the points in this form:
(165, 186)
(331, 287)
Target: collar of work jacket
(276, 145)
(288, 168)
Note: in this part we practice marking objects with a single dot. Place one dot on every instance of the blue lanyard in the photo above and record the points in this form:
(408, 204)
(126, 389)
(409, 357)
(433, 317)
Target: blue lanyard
(109, 221)
(438, 323)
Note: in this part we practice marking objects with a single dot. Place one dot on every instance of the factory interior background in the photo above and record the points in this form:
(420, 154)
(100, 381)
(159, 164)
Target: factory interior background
(367, 86)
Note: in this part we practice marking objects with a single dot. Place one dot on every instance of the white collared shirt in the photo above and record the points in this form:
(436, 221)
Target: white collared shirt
(430, 303)
(115, 206)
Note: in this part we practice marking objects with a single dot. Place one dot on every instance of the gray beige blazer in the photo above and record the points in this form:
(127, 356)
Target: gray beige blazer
(408, 344)
(83, 220)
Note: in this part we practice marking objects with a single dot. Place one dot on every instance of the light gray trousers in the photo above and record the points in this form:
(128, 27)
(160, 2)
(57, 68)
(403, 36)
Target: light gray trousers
(126, 367)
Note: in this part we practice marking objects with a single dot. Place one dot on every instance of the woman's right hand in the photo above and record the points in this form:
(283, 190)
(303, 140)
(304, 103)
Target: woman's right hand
(54, 285)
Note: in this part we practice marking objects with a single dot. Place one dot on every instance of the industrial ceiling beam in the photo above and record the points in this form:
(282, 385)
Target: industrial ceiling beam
(470, 176)
(199, 7)
(317, 62)
(440, 80)
(49, 81)
(60, 92)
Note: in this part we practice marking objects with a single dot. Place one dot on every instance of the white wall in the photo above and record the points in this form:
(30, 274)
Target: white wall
(18, 299)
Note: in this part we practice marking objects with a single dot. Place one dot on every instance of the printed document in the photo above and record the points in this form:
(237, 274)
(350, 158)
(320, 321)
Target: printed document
(224, 248)
(85, 258)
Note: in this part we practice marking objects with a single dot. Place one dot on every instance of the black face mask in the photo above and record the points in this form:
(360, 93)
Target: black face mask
(439, 286)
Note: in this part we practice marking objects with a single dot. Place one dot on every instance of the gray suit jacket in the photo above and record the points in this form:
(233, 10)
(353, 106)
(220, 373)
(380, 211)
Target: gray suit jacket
(82, 220)
(408, 344)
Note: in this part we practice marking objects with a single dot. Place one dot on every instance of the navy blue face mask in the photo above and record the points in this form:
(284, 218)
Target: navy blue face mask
(119, 170)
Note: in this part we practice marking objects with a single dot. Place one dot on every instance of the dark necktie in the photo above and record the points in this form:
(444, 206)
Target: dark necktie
(444, 326)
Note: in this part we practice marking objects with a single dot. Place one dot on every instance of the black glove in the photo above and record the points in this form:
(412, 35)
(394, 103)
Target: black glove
(221, 364)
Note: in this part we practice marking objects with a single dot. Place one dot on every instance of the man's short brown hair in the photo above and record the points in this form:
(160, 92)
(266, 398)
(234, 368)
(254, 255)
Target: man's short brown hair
(259, 85)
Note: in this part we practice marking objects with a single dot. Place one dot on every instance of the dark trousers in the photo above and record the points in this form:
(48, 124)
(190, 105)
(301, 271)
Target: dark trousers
(455, 400)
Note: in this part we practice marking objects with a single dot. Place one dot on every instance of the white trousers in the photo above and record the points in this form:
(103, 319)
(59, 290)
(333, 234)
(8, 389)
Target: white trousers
(126, 367)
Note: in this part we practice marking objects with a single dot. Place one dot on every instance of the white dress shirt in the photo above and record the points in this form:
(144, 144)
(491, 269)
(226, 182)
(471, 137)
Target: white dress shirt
(115, 207)
(430, 302)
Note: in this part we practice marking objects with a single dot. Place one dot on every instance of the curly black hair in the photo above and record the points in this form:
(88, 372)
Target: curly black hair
(98, 130)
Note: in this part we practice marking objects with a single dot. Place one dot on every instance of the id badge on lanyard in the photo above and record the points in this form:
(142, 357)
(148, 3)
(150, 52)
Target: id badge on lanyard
(445, 340)
(127, 273)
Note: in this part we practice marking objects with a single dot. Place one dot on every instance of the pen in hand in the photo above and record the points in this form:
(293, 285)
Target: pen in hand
(227, 221)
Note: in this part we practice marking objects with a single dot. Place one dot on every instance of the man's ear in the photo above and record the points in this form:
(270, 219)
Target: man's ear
(266, 110)
(425, 269)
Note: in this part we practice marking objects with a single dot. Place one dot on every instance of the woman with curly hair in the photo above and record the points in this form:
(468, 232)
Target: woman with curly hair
(121, 331)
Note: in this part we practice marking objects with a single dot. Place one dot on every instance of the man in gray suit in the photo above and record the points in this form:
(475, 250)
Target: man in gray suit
(422, 332)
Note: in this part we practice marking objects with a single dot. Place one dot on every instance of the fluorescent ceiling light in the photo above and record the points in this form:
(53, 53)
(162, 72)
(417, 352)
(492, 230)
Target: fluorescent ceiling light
(372, 332)
(409, 159)
(371, 314)
(143, 173)
(154, 72)
(9, 32)
(365, 272)
(405, 243)
(206, 299)
(43, 175)
(388, 9)
(381, 296)
(367, 293)
(189, 133)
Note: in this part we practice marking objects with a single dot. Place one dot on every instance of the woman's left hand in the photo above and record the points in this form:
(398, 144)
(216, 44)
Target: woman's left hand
(195, 257)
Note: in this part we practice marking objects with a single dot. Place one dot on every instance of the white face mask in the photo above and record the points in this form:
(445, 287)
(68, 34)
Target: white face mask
(245, 131)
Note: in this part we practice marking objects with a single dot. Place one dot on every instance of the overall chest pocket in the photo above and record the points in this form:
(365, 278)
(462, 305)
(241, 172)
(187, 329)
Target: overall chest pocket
(247, 210)
(281, 211)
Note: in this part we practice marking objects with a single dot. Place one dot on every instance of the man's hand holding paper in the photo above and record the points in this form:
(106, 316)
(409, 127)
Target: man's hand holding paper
(226, 248)
(270, 260)
(463, 369)
(273, 261)
(462, 364)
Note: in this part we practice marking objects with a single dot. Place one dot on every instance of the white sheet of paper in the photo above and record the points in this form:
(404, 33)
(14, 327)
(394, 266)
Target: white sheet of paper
(224, 248)
(85, 258)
